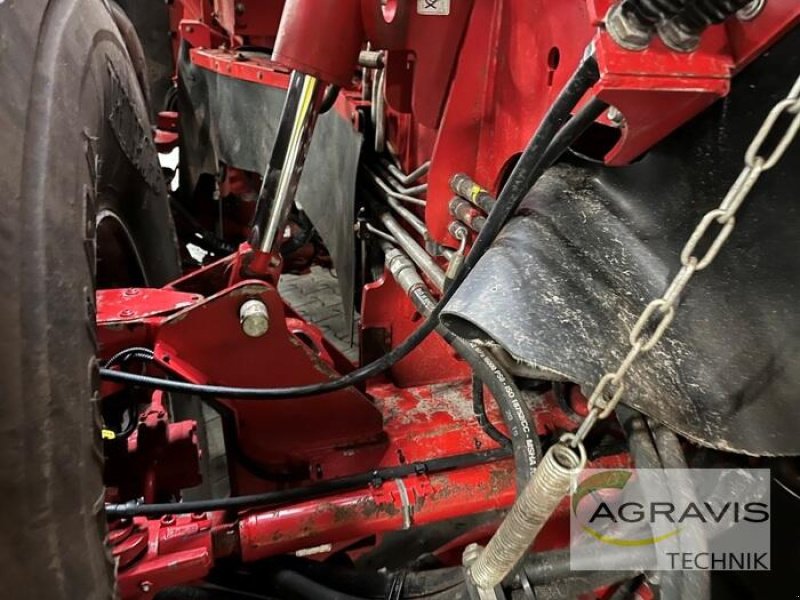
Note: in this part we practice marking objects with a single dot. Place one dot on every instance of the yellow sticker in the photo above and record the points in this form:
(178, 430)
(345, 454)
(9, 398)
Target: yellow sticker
(108, 434)
(476, 189)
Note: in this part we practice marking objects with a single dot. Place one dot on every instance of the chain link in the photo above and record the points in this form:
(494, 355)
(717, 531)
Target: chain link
(658, 315)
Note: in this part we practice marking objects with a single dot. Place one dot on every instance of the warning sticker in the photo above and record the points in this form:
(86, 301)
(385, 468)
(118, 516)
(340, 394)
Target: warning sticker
(433, 7)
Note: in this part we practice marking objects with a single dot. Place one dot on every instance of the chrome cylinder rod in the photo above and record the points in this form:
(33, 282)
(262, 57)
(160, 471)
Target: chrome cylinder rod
(278, 189)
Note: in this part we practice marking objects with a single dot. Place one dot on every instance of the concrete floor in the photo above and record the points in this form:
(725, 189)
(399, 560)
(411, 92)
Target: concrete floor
(315, 296)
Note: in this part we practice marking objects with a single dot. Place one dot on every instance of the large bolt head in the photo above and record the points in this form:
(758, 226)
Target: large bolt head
(751, 10)
(627, 32)
(676, 38)
(254, 318)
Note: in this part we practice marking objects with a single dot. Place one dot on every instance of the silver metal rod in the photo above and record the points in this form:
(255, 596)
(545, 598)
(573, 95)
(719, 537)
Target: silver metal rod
(381, 234)
(415, 252)
(278, 189)
(392, 199)
(417, 189)
(382, 169)
(402, 178)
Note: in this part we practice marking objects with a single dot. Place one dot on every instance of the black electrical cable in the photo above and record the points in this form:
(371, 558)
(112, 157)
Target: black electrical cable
(207, 240)
(527, 171)
(140, 353)
(574, 128)
(121, 357)
(479, 410)
(226, 414)
(315, 490)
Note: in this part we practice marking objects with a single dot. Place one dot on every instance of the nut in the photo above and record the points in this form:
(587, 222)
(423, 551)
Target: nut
(676, 38)
(750, 10)
(627, 32)
(254, 318)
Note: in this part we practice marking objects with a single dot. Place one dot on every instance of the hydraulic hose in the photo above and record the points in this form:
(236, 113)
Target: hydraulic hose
(303, 588)
(527, 171)
(479, 409)
(645, 456)
(658, 448)
(696, 582)
(525, 443)
(542, 568)
(375, 585)
(573, 129)
(315, 490)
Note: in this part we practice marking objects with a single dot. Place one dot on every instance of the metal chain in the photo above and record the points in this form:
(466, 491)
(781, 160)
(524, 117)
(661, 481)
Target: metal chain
(658, 315)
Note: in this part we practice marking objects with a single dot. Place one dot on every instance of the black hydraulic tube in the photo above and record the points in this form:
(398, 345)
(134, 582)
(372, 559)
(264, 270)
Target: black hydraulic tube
(527, 171)
(329, 99)
(309, 492)
(573, 129)
(469, 191)
(645, 456)
(525, 444)
(696, 582)
(541, 568)
(479, 409)
(301, 587)
(368, 583)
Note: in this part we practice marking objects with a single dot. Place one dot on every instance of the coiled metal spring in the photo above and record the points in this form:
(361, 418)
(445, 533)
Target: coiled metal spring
(536, 503)
(699, 14)
(650, 12)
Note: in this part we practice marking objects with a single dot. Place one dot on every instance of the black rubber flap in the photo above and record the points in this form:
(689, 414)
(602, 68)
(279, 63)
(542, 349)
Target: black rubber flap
(236, 121)
(567, 278)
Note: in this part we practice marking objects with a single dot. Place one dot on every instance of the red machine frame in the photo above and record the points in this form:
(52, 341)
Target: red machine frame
(465, 92)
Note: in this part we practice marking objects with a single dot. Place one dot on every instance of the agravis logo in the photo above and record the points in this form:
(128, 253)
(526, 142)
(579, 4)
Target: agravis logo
(613, 479)
(671, 519)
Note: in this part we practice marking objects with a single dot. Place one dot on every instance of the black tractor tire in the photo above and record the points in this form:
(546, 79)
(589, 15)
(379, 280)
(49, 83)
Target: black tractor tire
(76, 155)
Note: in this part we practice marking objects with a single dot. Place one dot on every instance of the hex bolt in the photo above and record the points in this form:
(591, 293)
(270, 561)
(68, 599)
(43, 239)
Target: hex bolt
(254, 318)
(615, 116)
(751, 10)
(676, 38)
(627, 32)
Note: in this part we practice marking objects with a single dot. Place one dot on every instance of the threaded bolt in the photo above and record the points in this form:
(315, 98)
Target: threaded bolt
(471, 554)
(254, 318)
